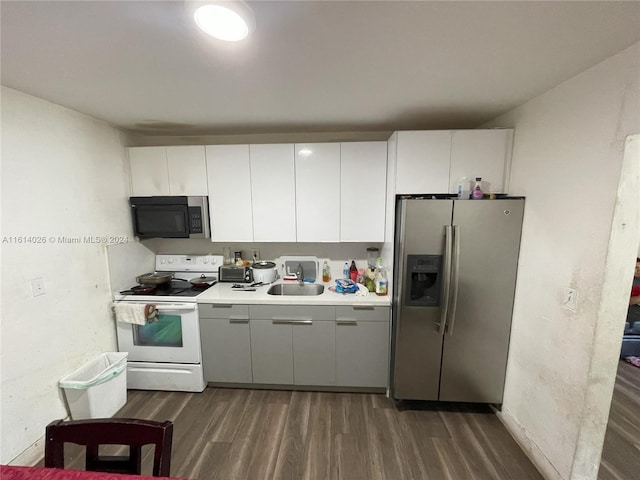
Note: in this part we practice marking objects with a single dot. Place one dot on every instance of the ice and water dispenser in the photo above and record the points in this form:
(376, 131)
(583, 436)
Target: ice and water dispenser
(423, 280)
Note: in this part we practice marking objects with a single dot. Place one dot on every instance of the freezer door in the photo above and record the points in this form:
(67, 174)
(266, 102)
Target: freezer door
(487, 239)
(417, 342)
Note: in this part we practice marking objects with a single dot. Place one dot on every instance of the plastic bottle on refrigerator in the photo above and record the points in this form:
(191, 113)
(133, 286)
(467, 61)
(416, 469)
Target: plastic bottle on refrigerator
(477, 189)
(381, 278)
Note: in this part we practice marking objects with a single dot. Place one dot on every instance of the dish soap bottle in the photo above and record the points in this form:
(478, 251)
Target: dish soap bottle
(381, 278)
(326, 272)
(353, 271)
(345, 270)
(477, 189)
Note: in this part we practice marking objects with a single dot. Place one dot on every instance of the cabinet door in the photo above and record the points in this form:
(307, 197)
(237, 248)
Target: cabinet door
(314, 353)
(318, 192)
(229, 185)
(273, 193)
(271, 352)
(226, 350)
(363, 177)
(481, 153)
(423, 162)
(362, 347)
(187, 170)
(149, 173)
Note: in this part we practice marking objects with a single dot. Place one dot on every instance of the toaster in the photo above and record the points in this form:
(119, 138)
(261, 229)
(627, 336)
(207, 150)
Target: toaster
(232, 273)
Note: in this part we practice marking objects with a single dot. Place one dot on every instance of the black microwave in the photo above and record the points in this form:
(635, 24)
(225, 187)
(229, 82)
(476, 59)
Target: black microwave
(170, 217)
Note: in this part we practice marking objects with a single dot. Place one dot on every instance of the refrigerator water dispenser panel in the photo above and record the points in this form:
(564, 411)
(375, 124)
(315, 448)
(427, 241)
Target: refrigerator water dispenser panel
(423, 280)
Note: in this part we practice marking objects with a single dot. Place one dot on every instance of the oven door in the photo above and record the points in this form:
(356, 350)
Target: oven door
(173, 338)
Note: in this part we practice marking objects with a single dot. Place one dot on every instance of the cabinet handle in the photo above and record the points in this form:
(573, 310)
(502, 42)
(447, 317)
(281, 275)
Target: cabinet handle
(346, 322)
(364, 308)
(221, 305)
(294, 319)
(238, 320)
(284, 321)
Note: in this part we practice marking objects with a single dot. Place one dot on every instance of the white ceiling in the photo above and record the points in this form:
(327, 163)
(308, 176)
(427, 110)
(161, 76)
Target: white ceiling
(310, 66)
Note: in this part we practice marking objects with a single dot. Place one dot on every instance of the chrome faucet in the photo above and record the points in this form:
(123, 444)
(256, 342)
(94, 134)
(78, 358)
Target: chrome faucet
(299, 274)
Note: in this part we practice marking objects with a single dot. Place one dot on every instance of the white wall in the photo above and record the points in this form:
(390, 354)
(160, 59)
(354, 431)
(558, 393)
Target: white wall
(63, 174)
(567, 161)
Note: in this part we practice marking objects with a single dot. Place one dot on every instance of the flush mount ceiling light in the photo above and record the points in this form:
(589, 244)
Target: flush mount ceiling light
(226, 20)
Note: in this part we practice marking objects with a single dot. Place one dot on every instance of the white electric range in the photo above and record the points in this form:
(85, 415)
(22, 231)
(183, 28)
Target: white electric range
(165, 353)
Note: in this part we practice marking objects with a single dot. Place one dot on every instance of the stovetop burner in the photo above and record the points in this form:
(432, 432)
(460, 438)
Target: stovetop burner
(175, 288)
(183, 269)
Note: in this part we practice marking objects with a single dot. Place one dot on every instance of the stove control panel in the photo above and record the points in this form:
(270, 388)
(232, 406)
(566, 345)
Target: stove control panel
(188, 263)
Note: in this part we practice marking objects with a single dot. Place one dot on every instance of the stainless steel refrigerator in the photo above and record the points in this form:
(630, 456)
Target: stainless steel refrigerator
(454, 282)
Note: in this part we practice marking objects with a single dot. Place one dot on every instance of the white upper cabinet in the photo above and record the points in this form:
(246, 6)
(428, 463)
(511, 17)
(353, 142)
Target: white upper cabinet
(481, 153)
(229, 182)
(177, 170)
(434, 161)
(187, 170)
(318, 192)
(423, 162)
(273, 192)
(363, 174)
(149, 173)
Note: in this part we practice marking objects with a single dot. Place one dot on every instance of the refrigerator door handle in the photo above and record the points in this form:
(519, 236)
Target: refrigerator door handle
(454, 278)
(446, 280)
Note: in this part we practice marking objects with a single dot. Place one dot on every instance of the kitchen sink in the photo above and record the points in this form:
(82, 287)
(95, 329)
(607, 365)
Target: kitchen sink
(296, 289)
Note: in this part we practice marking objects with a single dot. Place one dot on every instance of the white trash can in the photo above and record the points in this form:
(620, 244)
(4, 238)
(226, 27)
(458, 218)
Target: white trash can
(97, 389)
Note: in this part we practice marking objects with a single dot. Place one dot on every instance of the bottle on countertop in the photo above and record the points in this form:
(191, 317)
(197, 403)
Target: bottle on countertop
(326, 272)
(345, 270)
(353, 271)
(477, 193)
(381, 278)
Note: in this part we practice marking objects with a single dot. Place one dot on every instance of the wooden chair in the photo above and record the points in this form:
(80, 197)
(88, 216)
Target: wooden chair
(111, 431)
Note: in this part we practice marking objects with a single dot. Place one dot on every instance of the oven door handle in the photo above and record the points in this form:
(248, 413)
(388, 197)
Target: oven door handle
(164, 307)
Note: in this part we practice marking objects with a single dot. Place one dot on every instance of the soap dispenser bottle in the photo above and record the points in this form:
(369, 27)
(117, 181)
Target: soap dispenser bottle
(381, 278)
(477, 193)
(326, 272)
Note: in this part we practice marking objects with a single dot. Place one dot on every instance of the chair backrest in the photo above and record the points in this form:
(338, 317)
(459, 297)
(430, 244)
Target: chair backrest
(111, 431)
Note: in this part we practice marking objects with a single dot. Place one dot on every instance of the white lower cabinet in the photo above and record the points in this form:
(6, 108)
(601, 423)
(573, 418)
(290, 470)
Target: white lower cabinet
(226, 343)
(362, 346)
(293, 345)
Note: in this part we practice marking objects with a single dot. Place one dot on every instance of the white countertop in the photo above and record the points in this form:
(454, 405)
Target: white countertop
(223, 293)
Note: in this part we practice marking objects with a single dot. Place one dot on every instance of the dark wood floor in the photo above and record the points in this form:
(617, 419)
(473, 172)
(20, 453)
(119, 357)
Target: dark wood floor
(621, 452)
(259, 434)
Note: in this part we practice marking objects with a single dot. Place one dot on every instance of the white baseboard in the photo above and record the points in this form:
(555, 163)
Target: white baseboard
(541, 462)
(31, 455)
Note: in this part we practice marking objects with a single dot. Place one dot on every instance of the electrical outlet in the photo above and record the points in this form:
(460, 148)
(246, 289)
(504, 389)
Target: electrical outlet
(37, 287)
(570, 299)
(255, 253)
